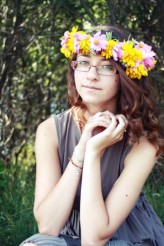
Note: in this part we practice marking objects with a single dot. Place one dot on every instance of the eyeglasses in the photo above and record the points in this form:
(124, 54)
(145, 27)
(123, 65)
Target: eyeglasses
(83, 66)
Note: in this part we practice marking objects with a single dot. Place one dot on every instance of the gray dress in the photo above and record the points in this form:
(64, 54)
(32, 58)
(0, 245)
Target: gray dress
(142, 226)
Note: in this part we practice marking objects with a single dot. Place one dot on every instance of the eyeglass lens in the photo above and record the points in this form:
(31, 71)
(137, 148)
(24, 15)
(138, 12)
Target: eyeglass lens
(101, 69)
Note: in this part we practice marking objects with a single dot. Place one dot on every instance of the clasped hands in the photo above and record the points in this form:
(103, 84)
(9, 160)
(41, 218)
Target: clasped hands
(103, 130)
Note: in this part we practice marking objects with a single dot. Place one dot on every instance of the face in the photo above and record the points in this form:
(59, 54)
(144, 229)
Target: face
(96, 86)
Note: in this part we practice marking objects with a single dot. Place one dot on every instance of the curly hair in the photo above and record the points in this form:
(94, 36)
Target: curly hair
(135, 100)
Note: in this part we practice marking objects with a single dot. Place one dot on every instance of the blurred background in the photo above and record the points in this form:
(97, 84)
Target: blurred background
(33, 86)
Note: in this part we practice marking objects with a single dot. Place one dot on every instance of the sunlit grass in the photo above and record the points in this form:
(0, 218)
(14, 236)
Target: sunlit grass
(16, 206)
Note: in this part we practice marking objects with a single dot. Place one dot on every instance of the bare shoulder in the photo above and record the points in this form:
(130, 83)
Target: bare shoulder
(47, 130)
(144, 146)
(47, 125)
(142, 152)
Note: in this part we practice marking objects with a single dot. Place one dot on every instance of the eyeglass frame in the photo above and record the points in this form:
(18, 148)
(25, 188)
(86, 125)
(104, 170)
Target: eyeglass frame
(76, 62)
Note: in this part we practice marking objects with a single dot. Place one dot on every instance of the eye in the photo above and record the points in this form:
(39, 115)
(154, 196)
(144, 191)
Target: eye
(108, 67)
(82, 63)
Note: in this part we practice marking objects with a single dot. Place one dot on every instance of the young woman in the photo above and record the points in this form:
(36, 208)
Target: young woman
(93, 159)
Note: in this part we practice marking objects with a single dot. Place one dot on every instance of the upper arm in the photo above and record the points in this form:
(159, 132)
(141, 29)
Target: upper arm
(124, 194)
(48, 169)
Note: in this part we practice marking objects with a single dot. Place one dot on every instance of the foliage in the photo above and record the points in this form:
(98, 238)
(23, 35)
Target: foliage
(33, 84)
(16, 216)
(33, 80)
(154, 191)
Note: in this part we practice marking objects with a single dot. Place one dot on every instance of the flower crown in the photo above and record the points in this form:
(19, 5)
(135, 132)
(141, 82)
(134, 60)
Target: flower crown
(137, 57)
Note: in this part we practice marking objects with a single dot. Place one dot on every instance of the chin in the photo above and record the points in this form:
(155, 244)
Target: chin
(92, 101)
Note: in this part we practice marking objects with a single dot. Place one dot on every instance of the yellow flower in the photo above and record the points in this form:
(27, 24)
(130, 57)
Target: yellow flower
(131, 54)
(137, 58)
(108, 52)
(66, 52)
(136, 72)
(70, 41)
(85, 45)
(74, 29)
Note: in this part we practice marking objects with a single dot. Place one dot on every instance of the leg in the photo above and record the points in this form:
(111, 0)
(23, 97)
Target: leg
(30, 244)
(44, 240)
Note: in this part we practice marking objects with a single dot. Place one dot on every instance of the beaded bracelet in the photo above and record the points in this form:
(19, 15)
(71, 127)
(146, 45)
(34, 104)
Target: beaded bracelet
(78, 170)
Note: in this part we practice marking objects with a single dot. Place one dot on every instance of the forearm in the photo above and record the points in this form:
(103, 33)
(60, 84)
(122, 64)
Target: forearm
(94, 217)
(54, 211)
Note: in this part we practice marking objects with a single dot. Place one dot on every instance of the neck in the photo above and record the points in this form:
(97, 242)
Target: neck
(90, 110)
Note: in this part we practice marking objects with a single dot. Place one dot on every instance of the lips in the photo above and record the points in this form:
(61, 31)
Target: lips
(91, 87)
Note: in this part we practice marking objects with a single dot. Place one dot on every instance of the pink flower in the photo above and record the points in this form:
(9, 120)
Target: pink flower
(117, 51)
(76, 46)
(149, 62)
(98, 42)
(65, 39)
(148, 54)
(78, 37)
(146, 49)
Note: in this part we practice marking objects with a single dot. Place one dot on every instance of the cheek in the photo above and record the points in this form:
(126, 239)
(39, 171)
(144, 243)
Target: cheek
(117, 83)
(76, 79)
(117, 79)
(79, 78)
(77, 83)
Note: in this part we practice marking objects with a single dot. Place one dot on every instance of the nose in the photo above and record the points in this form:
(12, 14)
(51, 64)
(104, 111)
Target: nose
(92, 73)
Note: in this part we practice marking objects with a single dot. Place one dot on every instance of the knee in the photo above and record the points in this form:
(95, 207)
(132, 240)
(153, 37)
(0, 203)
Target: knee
(29, 244)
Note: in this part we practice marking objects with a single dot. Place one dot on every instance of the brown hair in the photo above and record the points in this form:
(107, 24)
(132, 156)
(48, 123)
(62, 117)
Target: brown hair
(135, 99)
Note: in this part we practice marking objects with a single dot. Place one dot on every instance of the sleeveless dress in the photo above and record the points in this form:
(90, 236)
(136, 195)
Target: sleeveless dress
(142, 226)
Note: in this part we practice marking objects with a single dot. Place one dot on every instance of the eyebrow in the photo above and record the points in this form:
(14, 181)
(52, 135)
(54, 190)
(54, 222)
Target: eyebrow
(84, 55)
(88, 56)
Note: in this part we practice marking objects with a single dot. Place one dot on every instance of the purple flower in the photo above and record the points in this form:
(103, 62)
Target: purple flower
(147, 53)
(98, 42)
(76, 46)
(65, 39)
(78, 37)
(117, 51)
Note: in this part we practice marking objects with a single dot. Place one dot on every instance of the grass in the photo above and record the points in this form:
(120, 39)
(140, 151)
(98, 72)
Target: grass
(16, 205)
(154, 190)
(16, 211)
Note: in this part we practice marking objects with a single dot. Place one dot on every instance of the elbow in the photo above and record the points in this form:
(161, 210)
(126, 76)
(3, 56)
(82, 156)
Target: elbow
(44, 227)
(95, 238)
(45, 230)
(93, 241)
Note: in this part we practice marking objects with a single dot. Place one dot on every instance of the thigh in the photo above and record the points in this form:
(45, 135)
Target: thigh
(44, 240)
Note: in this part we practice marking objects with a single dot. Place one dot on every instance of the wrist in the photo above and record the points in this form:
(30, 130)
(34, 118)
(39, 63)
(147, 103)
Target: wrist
(77, 166)
(78, 156)
(92, 151)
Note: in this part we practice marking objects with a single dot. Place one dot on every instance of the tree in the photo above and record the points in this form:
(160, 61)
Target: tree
(33, 80)
(33, 84)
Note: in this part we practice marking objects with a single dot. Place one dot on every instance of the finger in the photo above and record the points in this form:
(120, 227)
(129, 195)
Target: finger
(122, 124)
(112, 125)
(95, 123)
(117, 126)
(107, 114)
(100, 116)
(122, 120)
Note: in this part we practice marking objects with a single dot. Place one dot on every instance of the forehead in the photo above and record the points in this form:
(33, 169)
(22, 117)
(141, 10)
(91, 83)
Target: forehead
(95, 57)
